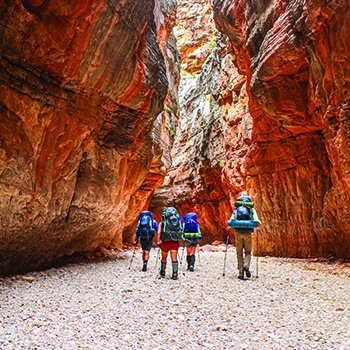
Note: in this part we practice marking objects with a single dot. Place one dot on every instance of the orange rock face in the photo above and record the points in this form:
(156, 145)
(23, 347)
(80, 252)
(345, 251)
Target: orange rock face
(297, 167)
(274, 124)
(212, 135)
(81, 83)
(195, 32)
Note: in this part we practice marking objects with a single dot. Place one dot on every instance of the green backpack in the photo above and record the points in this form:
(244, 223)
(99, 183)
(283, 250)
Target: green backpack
(171, 225)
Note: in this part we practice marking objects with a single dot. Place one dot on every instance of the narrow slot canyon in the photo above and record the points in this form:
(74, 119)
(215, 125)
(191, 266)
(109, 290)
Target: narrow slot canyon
(110, 108)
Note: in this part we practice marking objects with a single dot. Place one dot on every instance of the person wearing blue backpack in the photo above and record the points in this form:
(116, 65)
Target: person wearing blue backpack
(243, 219)
(145, 232)
(191, 235)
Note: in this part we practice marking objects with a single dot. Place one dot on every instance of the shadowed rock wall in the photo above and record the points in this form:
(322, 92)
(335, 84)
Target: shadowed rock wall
(165, 124)
(81, 83)
(295, 57)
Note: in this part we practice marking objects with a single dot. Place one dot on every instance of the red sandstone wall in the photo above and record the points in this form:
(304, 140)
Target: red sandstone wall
(295, 57)
(276, 126)
(81, 83)
(213, 130)
(165, 124)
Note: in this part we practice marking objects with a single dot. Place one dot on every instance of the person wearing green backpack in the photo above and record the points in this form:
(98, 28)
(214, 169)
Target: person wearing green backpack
(168, 237)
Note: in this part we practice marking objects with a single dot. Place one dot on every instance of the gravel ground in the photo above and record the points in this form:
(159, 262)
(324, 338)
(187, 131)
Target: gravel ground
(294, 304)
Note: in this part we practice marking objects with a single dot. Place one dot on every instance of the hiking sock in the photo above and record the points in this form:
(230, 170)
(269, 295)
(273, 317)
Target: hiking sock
(144, 267)
(188, 261)
(192, 259)
(247, 272)
(175, 270)
(162, 269)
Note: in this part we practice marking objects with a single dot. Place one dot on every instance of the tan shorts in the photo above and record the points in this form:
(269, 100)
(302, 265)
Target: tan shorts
(189, 244)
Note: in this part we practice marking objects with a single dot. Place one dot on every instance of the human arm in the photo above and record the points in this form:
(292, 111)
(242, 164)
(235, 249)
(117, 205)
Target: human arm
(158, 233)
(200, 233)
(155, 226)
(137, 235)
(255, 215)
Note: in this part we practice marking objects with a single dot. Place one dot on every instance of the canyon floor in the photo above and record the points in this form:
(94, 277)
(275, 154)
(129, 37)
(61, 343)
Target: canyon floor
(294, 304)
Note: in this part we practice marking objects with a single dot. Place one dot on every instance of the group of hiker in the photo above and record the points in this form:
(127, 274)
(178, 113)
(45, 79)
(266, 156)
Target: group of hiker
(170, 231)
(173, 228)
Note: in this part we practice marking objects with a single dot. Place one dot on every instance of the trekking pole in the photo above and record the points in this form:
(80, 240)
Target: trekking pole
(157, 258)
(133, 254)
(257, 252)
(228, 235)
(182, 256)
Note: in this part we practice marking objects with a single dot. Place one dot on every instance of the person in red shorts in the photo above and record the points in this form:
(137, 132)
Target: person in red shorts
(168, 236)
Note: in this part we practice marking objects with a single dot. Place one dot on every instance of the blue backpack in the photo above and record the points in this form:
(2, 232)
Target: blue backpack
(145, 227)
(191, 227)
(243, 212)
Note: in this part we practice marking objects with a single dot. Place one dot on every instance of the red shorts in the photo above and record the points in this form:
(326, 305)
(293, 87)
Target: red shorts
(169, 245)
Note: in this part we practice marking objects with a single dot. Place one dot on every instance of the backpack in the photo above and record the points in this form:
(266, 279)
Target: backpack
(171, 225)
(191, 228)
(145, 227)
(243, 212)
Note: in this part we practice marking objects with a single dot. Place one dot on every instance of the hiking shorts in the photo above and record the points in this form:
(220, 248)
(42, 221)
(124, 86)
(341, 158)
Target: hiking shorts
(146, 244)
(189, 244)
(169, 245)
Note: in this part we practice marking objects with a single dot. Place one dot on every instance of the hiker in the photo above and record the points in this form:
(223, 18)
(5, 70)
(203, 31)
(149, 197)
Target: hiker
(244, 212)
(168, 237)
(145, 232)
(191, 235)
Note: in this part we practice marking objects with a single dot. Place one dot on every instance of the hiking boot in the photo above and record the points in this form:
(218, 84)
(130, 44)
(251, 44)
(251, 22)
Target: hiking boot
(144, 267)
(192, 260)
(162, 269)
(188, 257)
(247, 272)
(240, 277)
(175, 270)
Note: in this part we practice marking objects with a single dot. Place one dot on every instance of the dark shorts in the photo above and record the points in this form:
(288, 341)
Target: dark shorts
(169, 245)
(146, 244)
(189, 244)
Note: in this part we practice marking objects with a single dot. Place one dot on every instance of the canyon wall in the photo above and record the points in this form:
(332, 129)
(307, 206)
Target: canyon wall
(164, 126)
(81, 83)
(296, 60)
(266, 111)
(214, 130)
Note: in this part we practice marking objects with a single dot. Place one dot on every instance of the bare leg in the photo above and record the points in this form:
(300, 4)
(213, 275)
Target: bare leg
(165, 255)
(145, 255)
(173, 254)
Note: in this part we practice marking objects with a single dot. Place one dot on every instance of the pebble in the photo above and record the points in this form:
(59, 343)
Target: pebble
(293, 304)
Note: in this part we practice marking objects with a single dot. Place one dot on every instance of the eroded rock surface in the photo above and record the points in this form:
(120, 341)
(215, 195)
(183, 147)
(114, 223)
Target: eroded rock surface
(295, 56)
(81, 83)
(213, 133)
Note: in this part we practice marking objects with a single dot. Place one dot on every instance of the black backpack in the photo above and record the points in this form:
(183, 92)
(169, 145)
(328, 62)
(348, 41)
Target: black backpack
(244, 212)
(145, 227)
(171, 225)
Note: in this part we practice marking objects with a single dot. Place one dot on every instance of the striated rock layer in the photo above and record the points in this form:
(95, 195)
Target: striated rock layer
(81, 83)
(213, 133)
(295, 55)
(164, 125)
